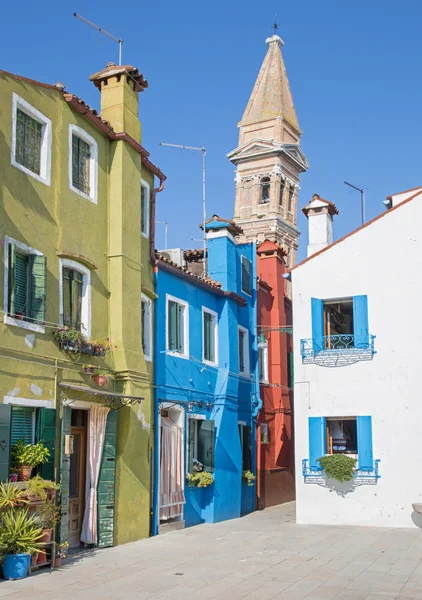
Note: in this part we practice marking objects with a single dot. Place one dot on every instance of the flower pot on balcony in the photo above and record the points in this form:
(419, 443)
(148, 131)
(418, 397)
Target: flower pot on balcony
(20, 316)
(24, 473)
(89, 370)
(100, 380)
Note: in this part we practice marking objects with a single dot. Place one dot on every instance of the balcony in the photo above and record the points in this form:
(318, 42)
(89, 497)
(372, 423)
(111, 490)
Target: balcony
(316, 474)
(337, 350)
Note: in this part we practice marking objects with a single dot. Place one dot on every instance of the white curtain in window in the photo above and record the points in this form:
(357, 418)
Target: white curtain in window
(97, 427)
(172, 497)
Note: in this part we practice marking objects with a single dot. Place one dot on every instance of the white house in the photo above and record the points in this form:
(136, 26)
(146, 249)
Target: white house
(357, 322)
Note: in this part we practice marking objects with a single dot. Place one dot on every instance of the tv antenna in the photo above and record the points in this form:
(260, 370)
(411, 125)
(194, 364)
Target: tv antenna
(103, 31)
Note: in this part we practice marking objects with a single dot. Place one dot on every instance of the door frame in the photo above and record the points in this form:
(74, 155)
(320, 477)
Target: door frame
(83, 460)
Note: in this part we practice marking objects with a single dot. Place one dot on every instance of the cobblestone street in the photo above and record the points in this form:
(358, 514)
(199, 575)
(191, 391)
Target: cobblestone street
(262, 556)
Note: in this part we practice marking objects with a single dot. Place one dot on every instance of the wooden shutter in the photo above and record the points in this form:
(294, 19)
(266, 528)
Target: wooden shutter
(364, 431)
(22, 425)
(106, 484)
(21, 284)
(246, 275)
(206, 444)
(38, 287)
(67, 297)
(317, 440)
(317, 307)
(5, 419)
(64, 475)
(76, 301)
(11, 281)
(84, 164)
(208, 354)
(45, 431)
(174, 326)
(191, 444)
(360, 321)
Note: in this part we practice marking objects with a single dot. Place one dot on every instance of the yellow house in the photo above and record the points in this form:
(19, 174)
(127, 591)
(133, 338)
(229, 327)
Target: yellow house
(77, 209)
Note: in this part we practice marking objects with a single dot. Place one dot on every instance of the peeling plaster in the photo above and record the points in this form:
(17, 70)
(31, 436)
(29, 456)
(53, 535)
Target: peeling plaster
(142, 420)
(14, 392)
(35, 389)
(30, 340)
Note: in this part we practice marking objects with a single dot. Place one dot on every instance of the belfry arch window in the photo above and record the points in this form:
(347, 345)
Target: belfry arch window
(282, 188)
(291, 194)
(265, 190)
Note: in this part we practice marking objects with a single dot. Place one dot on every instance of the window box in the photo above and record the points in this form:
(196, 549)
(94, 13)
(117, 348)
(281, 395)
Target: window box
(309, 472)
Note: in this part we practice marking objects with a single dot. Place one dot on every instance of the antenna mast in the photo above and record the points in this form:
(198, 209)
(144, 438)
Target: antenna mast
(101, 30)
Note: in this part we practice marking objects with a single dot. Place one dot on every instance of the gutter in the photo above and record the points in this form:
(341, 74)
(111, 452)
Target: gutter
(156, 455)
(155, 191)
(258, 404)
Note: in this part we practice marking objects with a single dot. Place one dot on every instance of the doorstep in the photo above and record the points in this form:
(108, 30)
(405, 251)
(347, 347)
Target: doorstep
(173, 526)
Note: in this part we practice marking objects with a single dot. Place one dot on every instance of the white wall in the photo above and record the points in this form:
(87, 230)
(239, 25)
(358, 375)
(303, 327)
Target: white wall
(383, 261)
(320, 232)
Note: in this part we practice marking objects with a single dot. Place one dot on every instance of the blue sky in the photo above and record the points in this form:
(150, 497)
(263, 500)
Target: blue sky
(354, 70)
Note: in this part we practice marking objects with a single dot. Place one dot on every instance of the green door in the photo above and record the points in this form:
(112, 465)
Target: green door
(106, 484)
(5, 421)
(64, 476)
(46, 431)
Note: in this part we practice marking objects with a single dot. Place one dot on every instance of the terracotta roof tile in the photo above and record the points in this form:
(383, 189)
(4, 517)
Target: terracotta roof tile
(332, 207)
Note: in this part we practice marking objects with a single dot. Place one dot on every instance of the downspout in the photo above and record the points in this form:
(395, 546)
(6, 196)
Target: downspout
(257, 403)
(155, 191)
(155, 500)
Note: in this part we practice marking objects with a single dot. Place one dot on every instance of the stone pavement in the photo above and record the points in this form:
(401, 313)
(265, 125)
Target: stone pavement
(260, 557)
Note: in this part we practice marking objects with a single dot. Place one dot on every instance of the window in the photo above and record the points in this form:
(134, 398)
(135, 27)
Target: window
(282, 188)
(291, 194)
(264, 431)
(22, 425)
(209, 336)
(263, 361)
(341, 435)
(146, 314)
(340, 324)
(83, 163)
(177, 326)
(31, 140)
(246, 275)
(290, 369)
(145, 208)
(25, 279)
(243, 351)
(265, 190)
(245, 433)
(75, 296)
(200, 445)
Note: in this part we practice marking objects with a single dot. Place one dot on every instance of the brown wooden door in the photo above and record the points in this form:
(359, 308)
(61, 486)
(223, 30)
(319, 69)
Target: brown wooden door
(77, 485)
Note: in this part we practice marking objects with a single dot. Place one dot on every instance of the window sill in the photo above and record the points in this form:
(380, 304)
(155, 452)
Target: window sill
(145, 235)
(209, 363)
(177, 354)
(44, 180)
(92, 199)
(24, 324)
(264, 382)
(244, 375)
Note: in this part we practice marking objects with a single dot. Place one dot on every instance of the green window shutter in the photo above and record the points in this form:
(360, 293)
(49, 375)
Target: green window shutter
(64, 475)
(28, 142)
(11, 280)
(5, 419)
(45, 431)
(77, 284)
(143, 208)
(22, 426)
(174, 326)
(75, 162)
(143, 325)
(206, 444)
(191, 444)
(106, 484)
(208, 353)
(81, 156)
(20, 137)
(67, 305)
(241, 351)
(246, 275)
(290, 372)
(21, 284)
(38, 287)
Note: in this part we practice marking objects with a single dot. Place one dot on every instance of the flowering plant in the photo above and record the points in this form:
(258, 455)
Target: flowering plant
(62, 549)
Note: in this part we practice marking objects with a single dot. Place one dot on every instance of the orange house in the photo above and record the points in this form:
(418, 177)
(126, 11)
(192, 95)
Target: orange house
(275, 451)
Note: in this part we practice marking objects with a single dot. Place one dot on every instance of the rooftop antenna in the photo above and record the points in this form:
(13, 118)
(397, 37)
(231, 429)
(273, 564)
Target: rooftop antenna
(166, 229)
(362, 199)
(101, 30)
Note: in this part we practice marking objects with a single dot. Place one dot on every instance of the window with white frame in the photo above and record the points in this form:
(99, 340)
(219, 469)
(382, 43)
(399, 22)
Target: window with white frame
(145, 201)
(83, 163)
(200, 445)
(263, 361)
(25, 285)
(177, 326)
(209, 336)
(31, 140)
(246, 275)
(146, 316)
(243, 350)
(75, 296)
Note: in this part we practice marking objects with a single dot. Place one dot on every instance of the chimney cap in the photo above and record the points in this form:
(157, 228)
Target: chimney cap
(112, 70)
(332, 208)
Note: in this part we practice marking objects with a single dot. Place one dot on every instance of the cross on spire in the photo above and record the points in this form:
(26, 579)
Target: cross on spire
(275, 25)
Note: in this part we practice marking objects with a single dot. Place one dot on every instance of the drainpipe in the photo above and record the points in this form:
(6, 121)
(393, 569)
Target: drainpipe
(258, 404)
(152, 217)
(155, 500)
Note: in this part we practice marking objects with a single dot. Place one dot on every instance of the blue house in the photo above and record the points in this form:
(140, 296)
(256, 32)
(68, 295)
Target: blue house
(206, 389)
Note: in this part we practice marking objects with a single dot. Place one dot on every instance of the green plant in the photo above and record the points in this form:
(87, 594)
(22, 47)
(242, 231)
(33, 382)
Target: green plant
(102, 343)
(248, 477)
(264, 438)
(49, 514)
(36, 487)
(62, 549)
(11, 496)
(104, 372)
(65, 335)
(51, 485)
(29, 455)
(338, 466)
(202, 479)
(19, 533)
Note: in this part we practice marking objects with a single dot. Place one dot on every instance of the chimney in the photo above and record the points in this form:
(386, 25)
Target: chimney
(222, 242)
(319, 213)
(119, 87)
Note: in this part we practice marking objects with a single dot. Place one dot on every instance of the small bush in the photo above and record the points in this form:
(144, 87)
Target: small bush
(203, 479)
(338, 466)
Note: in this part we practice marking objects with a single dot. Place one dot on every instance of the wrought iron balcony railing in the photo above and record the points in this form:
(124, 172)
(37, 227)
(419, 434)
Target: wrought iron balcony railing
(348, 343)
(360, 473)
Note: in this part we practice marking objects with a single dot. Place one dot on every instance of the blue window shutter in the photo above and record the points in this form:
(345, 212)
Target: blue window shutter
(364, 430)
(317, 324)
(360, 321)
(317, 440)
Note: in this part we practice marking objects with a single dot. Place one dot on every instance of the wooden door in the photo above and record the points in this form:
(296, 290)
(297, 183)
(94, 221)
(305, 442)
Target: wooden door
(77, 478)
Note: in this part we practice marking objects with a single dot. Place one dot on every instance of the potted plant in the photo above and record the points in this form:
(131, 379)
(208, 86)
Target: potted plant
(101, 377)
(69, 339)
(100, 347)
(36, 489)
(51, 488)
(49, 517)
(11, 496)
(13, 475)
(27, 456)
(248, 477)
(89, 369)
(338, 466)
(20, 315)
(202, 479)
(19, 536)
(61, 553)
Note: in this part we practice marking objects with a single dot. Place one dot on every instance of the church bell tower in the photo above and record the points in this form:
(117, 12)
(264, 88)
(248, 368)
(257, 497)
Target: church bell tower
(269, 160)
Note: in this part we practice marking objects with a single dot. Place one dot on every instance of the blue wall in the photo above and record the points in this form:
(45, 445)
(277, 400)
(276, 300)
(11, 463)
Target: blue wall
(183, 380)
